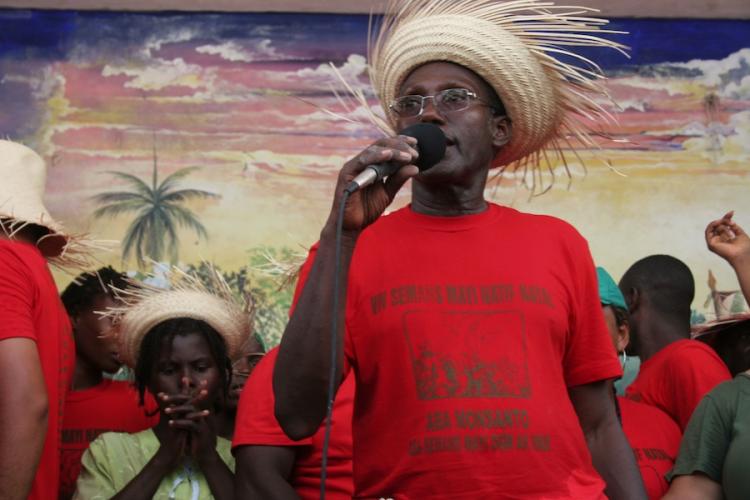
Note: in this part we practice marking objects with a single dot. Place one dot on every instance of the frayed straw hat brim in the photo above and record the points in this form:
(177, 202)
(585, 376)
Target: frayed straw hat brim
(228, 320)
(522, 49)
(495, 55)
(23, 173)
(143, 307)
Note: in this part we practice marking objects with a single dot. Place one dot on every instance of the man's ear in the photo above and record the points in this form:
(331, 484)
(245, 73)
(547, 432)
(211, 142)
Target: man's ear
(501, 131)
(633, 300)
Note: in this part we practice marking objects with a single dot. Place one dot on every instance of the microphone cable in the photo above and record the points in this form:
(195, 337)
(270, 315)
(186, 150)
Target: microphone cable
(334, 342)
(434, 142)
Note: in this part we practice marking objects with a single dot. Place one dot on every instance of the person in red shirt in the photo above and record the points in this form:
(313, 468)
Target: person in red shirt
(482, 364)
(96, 404)
(241, 370)
(270, 465)
(676, 372)
(36, 348)
(653, 435)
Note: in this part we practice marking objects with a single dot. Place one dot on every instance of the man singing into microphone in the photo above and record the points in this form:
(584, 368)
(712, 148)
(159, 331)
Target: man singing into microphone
(482, 363)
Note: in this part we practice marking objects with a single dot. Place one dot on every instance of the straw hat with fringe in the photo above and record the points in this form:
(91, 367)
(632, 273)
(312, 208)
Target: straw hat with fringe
(23, 174)
(144, 307)
(515, 47)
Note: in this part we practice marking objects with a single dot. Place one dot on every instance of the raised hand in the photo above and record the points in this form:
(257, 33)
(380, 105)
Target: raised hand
(173, 441)
(727, 239)
(187, 417)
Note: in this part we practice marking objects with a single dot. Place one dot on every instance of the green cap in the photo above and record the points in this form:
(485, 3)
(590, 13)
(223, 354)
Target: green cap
(609, 293)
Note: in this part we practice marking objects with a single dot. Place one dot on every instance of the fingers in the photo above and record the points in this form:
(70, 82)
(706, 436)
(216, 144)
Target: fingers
(201, 392)
(399, 149)
(394, 182)
(185, 409)
(723, 227)
(173, 399)
(192, 421)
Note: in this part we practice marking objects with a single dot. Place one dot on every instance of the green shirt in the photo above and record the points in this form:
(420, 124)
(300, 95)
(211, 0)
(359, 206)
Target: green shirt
(717, 439)
(115, 458)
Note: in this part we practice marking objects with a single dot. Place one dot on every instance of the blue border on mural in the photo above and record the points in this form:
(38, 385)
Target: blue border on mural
(49, 35)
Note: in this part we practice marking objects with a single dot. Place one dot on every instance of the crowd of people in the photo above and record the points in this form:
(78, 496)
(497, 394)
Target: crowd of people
(454, 348)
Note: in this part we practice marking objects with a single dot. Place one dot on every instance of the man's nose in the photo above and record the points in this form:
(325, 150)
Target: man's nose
(430, 112)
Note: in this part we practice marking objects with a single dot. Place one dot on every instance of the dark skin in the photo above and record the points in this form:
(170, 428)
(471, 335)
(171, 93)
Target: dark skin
(453, 187)
(241, 370)
(265, 472)
(23, 407)
(96, 349)
(650, 331)
(187, 383)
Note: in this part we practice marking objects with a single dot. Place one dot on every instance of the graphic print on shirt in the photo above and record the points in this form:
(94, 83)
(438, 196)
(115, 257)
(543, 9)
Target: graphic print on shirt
(468, 354)
(473, 365)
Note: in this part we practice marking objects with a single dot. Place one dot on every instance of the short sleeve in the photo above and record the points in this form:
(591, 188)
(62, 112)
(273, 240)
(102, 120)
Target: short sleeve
(95, 481)
(706, 440)
(589, 354)
(304, 272)
(694, 373)
(256, 421)
(17, 297)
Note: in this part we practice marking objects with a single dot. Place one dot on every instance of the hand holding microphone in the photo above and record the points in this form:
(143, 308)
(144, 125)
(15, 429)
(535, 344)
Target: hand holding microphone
(384, 166)
(431, 145)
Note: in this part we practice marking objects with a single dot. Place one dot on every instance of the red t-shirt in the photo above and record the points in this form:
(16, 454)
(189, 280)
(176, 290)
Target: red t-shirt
(677, 377)
(111, 406)
(655, 439)
(257, 425)
(30, 308)
(465, 334)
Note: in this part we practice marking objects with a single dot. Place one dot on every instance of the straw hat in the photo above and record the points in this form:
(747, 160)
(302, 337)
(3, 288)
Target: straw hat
(144, 307)
(514, 47)
(23, 175)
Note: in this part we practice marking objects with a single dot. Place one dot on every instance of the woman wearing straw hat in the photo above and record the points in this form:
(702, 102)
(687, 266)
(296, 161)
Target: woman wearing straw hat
(483, 365)
(180, 343)
(36, 348)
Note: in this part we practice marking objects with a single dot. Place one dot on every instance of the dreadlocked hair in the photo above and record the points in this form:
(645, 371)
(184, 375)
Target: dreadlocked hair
(85, 288)
(163, 334)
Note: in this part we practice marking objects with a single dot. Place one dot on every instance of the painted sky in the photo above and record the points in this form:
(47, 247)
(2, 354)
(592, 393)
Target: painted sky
(239, 95)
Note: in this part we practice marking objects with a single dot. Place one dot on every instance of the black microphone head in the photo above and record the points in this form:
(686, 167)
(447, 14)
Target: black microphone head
(431, 143)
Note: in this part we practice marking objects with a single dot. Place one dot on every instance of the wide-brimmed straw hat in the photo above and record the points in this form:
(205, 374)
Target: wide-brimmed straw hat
(515, 47)
(23, 174)
(145, 307)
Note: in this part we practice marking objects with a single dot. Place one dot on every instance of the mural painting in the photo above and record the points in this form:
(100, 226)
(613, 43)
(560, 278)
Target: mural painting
(204, 137)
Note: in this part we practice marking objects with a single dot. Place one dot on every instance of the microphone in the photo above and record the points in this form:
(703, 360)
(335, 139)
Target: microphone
(431, 145)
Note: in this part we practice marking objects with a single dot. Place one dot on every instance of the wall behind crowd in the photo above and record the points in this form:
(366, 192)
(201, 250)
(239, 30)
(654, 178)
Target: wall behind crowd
(233, 107)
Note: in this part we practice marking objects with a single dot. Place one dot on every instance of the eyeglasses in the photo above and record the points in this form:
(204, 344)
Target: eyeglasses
(446, 101)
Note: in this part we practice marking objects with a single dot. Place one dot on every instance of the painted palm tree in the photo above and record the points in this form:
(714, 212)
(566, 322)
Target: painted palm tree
(159, 210)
